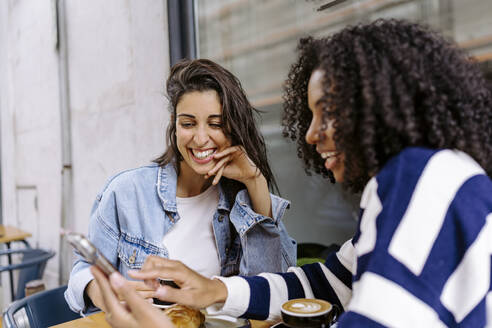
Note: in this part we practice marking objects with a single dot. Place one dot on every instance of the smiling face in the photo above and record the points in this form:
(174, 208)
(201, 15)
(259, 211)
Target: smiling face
(199, 133)
(321, 131)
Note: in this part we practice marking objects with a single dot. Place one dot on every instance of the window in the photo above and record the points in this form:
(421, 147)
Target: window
(256, 40)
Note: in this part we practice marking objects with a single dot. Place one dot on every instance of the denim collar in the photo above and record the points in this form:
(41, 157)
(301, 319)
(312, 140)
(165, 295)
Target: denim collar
(167, 179)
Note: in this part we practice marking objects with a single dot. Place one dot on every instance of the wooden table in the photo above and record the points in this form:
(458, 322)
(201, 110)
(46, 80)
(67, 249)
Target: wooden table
(97, 321)
(10, 234)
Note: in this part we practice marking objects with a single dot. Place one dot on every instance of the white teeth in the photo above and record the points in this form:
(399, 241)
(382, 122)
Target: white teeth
(327, 154)
(203, 154)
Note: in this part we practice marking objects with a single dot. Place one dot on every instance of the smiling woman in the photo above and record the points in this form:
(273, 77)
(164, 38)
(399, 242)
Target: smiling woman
(199, 132)
(205, 201)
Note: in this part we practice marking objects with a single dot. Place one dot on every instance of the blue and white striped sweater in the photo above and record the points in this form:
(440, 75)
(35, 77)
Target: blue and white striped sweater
(421, 256)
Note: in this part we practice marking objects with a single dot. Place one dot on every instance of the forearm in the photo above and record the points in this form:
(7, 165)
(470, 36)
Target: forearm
(80, 277)
(93, 292)
(259, 195)
(267, 296)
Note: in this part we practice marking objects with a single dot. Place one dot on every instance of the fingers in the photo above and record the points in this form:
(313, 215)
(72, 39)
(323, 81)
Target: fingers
(139, 286)
(116, 313)
(139, 307)
(218, 176)
(158, 267)
(204, 292)
(167, 273)
(175, 295)
(219, 165)
(150, 263)
(147, 294)
(228, 151)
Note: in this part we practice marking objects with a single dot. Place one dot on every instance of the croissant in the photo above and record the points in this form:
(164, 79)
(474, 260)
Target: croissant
(185, 317)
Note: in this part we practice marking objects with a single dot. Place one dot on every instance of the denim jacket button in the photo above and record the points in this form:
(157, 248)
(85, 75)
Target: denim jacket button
(221, 218)
(131, 260)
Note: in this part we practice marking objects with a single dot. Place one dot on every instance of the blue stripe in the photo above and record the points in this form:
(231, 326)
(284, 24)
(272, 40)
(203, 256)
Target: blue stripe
(353, 319)
(337, 268)
(294, 286)
(464, 220)
(259, 300)
(388, 267)
(319, 284)
(477, 317)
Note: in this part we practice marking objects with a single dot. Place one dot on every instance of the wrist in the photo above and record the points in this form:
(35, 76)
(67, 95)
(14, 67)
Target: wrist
(255, 181)
(220, 291)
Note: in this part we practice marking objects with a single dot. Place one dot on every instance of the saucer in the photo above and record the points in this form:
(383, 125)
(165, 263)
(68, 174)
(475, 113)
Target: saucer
(218, 322)
(282, 325)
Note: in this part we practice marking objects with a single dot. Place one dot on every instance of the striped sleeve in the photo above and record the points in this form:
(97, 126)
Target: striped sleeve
(424, 254)
(260, 297)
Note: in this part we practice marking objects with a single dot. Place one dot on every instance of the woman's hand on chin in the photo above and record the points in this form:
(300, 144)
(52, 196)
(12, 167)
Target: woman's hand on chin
(234, 163)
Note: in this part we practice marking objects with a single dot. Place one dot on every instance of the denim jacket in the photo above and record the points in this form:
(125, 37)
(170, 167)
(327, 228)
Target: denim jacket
(137, 208)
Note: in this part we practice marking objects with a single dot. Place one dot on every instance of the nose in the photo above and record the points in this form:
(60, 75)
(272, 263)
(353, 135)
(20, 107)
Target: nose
(312, 134)
(201, 136)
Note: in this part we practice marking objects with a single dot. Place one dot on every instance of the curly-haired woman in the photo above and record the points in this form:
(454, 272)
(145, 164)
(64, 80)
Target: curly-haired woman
(394, 110)
(205, 201)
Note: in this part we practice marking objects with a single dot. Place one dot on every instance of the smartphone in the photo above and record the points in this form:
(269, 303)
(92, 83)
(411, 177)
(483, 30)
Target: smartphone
(89, 252)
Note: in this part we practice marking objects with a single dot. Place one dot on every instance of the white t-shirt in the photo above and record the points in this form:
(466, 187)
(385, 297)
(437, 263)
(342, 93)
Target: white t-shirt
(191, 240)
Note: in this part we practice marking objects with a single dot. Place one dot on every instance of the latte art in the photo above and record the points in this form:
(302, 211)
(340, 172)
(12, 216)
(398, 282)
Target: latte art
(304, 306)
(307, 313)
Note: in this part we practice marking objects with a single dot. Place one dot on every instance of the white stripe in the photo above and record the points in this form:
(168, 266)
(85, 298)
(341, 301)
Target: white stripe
(278, 294)
(238, 295)
(488, 309)
(308, 292)
(372, 207)
(387, 303)
(470, 282)
(442, 177)
(343, 292)
(347, 257)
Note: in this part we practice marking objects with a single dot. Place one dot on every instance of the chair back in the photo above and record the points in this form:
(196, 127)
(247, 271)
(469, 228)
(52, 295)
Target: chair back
(30, 268)
(44, 309)
(33, 272)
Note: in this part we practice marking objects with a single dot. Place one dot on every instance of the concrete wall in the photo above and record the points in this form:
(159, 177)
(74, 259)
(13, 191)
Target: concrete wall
(117, 63)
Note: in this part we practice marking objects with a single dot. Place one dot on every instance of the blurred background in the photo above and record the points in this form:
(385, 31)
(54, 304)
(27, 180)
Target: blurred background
(82, 96)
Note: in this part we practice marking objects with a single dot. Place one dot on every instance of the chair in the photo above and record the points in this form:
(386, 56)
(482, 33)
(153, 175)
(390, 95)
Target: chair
(31, 267)
(44, 309)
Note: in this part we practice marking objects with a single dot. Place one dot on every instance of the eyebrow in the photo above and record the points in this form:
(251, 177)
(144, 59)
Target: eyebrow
(192, 116)
(186, 115)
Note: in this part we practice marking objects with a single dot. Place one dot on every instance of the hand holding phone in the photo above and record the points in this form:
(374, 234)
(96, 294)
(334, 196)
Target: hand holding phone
(89, 252)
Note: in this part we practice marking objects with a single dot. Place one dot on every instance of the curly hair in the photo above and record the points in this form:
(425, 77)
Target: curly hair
(389, 85)
(237, 112)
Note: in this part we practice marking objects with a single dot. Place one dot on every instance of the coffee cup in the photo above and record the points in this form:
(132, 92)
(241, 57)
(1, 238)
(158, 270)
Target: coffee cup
(307, 313)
